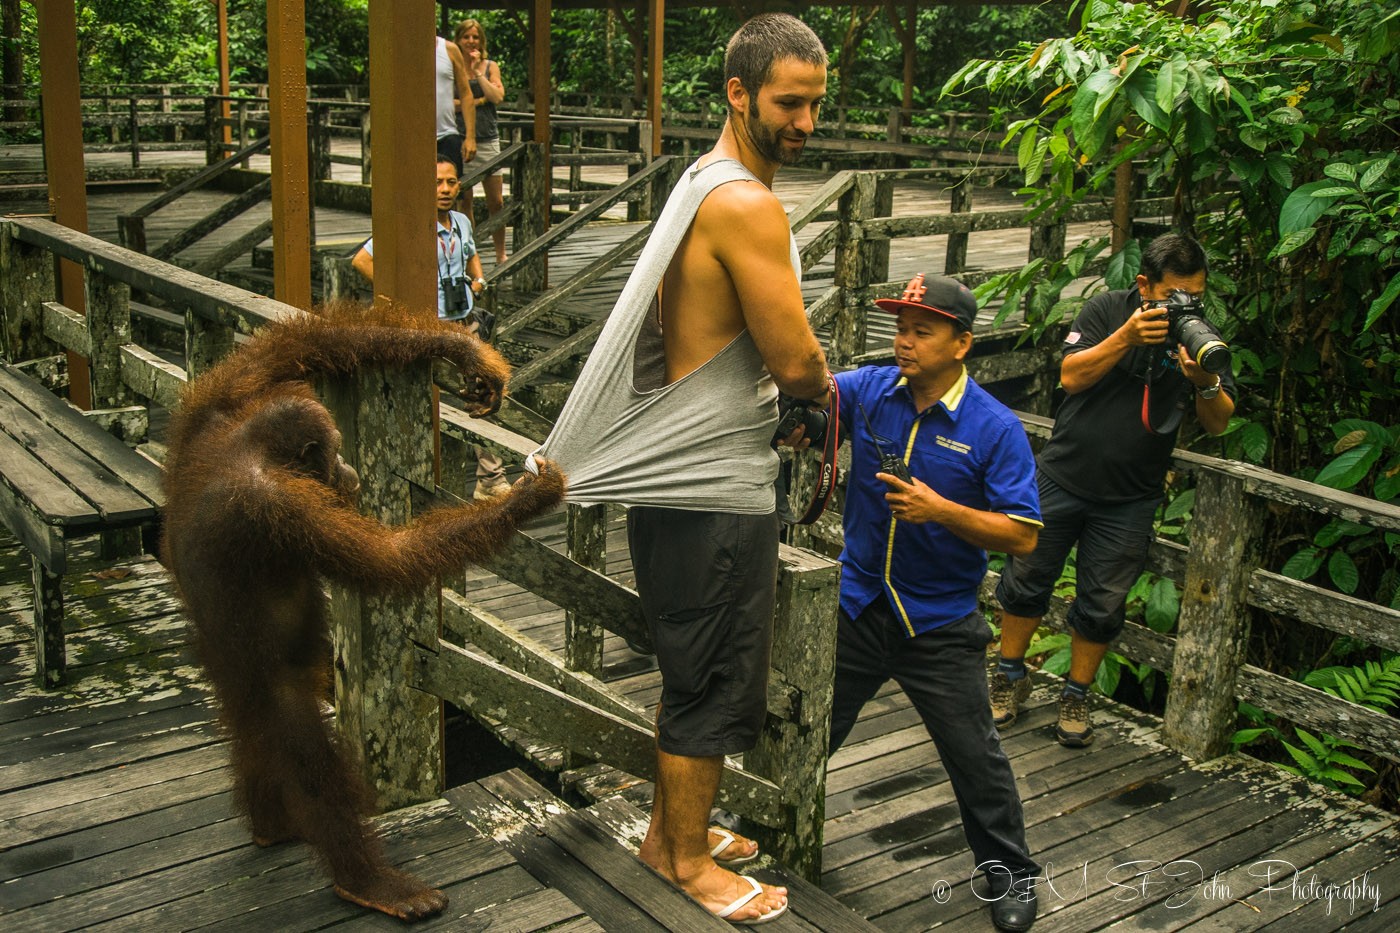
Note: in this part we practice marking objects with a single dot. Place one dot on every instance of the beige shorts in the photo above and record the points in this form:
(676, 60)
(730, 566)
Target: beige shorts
(487, 149)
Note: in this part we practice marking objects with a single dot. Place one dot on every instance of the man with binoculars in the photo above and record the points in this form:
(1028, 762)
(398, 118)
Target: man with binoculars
(1133, 365)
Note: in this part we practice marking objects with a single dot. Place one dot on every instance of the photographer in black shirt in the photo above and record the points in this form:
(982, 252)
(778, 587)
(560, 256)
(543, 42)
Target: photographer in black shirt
(1130, 378)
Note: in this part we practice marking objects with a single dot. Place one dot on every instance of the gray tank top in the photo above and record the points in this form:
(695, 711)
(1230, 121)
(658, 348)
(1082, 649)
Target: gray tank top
(704, 441)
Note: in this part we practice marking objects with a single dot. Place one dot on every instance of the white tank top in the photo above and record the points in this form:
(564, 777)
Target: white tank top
(703, 442)
(446, 89)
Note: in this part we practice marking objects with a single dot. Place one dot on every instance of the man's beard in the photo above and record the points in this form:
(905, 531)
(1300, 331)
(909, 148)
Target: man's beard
(767, 141)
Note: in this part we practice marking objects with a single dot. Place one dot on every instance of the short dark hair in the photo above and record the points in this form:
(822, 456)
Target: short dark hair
(1172, 254)
(765, 39)
(442, 158)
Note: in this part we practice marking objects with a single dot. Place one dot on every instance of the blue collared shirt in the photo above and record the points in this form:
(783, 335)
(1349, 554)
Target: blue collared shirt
(970, 449)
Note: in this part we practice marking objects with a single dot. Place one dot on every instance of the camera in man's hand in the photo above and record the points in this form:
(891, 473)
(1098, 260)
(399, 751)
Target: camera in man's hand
(795, 412)
(1187, 326)
(456, 296)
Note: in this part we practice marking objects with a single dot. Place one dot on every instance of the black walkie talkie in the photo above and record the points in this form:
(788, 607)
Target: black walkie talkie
(889, 463)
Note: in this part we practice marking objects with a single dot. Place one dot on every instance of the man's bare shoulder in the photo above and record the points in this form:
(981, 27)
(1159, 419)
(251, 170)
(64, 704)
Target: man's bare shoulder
(749, 206)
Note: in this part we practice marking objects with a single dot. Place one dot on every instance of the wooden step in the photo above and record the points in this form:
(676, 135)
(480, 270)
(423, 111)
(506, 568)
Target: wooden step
(589, 856)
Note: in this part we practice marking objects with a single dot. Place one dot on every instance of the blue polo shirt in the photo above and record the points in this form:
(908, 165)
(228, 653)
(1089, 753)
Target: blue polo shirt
(970, 449)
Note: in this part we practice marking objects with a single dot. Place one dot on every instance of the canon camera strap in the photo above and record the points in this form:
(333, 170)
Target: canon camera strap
(826, 468)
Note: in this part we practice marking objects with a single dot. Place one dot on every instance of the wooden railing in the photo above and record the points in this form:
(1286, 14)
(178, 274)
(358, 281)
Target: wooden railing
(390, 721)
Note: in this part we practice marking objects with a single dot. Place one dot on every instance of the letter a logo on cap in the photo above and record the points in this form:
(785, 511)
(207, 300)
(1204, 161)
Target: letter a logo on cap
(914, 291)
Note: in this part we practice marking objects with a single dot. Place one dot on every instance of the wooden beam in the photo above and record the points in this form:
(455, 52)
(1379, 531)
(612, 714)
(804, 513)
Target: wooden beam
(656, 51)
(221, 55)
(63, 157)
(291, 175)
(401, 94)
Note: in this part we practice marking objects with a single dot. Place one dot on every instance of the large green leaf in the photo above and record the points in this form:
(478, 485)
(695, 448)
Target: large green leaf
(1302, 565)
(1162, 606)
(1171, 81)
(1350, 468)
(1091, 100)
(1342, 569)
(1385, 300)
(1254, 438)
(1123, 266)
(1301, 210)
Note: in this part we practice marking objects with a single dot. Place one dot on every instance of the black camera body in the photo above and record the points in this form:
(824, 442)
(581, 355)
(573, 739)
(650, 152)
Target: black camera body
(796, 411)
(456, 296)
(1187, 326)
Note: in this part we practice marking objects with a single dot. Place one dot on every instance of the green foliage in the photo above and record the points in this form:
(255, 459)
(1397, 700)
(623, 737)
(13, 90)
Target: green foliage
(1325, 758)
(1273, 126)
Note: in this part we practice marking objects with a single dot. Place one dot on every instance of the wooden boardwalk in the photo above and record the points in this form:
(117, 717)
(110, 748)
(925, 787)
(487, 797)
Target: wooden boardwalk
(115, 807)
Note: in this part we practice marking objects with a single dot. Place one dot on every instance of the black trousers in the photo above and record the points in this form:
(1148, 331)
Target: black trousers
(943, 672)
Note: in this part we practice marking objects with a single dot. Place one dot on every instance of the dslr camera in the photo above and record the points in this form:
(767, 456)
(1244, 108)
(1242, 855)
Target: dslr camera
(1187, 326)
(456, 296)
(796, 411)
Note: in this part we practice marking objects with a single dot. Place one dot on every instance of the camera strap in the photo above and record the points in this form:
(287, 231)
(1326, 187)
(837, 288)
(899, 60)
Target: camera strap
(826, 466)
(1173, 420)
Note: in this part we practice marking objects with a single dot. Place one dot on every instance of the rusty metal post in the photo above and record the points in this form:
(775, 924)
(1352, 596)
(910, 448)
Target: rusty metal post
(63, 157)
(291, 182)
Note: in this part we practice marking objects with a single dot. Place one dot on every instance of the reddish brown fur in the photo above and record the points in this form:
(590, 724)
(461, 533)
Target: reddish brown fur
(259, 511)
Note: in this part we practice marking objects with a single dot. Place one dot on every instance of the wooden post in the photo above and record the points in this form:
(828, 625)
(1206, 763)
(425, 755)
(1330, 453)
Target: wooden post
(213, 137)
(63, 157)
(639, 140)
(959, 202)
(532, 171)
(656, 54)
(338, 278)
(366, 163)
(386, 417)
(852, 270)
(319, 142)
(291, 185)
(133, 128)
(1048, 242)
(1213, 627)
(109, 328)
(206, 342)
(26, 282)
(587, 536)
(225, 134)
(50, 655)
(792, 751)
(401, 99)
(877, 252)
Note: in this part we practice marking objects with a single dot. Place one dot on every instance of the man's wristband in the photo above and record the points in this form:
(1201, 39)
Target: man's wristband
(479, 280)
(1209, 392)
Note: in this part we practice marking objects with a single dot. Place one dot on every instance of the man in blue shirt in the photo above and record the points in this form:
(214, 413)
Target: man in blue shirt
(457, 257)
(915, 555)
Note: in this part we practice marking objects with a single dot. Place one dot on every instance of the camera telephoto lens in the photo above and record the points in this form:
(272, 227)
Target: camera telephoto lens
(1205, 346)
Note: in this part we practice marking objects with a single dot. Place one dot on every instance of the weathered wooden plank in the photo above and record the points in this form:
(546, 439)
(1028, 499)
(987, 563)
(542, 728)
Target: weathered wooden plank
(550, 575)
(151, 377)
(213, 264)
(111, 499)
(180, 287)
(552, 299)
(529, 657)
(132, 470)
(478, 683)
(1318, 710)
(66, 327)
(244, 201)
(1336, 612)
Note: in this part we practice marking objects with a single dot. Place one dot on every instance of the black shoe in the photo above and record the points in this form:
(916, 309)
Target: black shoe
(1013, 902)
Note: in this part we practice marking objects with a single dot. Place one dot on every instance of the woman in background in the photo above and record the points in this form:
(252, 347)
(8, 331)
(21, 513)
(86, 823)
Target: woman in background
(489, 90)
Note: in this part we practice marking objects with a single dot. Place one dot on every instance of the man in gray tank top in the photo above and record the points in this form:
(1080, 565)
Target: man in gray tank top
(674, 416)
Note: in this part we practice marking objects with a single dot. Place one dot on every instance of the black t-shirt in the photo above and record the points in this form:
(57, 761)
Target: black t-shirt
(1100, 449)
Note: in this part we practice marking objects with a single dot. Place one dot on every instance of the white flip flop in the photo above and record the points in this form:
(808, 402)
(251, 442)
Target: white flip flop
(728, 839)
(739, 902)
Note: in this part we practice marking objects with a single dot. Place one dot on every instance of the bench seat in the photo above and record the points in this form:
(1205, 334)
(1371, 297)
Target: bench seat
(63, 477)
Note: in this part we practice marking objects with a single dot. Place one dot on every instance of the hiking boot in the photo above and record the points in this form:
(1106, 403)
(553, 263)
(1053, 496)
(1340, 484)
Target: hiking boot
(1074, 729)
(1007, 697)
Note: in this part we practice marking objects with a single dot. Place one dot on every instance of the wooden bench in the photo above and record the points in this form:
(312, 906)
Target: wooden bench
(62, 477)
